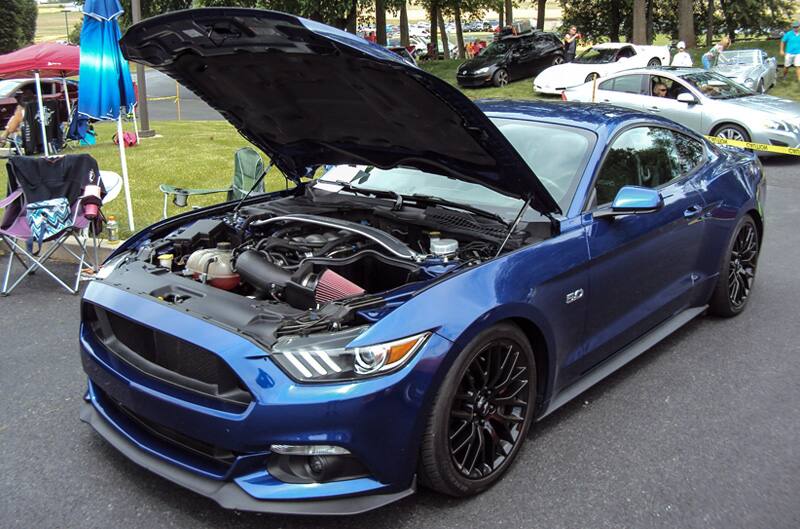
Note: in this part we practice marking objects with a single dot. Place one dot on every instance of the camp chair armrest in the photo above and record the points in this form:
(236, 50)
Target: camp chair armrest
(10, 198)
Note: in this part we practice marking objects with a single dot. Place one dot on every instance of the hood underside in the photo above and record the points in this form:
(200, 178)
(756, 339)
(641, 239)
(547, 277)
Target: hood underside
(308, 94)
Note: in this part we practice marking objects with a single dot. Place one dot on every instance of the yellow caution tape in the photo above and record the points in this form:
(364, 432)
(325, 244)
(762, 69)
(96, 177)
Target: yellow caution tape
(164, 98)
(754, 146)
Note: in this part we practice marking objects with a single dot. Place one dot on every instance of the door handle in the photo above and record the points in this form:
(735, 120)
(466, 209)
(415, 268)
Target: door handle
(693, 211)
(654, 109)
(606, 100)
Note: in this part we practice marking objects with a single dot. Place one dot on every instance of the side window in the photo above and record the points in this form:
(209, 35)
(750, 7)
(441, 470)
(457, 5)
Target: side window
(691, 153)
(629, 84)
(642, 156)
(663, 87)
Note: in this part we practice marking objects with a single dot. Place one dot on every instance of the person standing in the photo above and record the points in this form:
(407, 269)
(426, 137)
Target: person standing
(790, 48)
(571, 43)
(682, 58)
(711, 55)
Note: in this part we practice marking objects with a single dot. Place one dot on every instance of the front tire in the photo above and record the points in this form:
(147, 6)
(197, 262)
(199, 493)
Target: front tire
(732, 132)
(481, 415)
(500, 77)
(591, 77)
(558, 59)
(738, 271)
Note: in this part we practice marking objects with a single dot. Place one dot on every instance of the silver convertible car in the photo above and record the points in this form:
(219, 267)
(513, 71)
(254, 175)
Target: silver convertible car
(704, 101)
(751, 68)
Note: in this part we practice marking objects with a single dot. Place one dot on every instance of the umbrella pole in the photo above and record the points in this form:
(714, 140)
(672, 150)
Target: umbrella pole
(124, 163)
(66, 97)
(41, 112)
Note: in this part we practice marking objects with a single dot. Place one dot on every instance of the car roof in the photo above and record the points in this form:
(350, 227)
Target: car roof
(611, 45)
(591, 116)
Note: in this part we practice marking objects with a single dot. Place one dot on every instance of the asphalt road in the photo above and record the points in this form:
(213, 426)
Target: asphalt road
(702, 431)
(192, 107)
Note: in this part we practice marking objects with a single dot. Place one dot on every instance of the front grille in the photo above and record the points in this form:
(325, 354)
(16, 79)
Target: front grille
(219, 457)
(169, 359)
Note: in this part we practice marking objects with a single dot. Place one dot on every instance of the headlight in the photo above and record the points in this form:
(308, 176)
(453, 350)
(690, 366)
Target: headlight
(326, 357)
(774, 124)
(110, 265)
(750, 82)
(479, 71)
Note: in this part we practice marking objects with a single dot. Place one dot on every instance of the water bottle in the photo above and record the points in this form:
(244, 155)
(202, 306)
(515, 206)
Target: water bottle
(113, 228)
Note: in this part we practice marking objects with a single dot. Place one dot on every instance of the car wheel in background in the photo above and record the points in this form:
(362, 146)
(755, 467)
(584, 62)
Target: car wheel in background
(500, 77)
(481, 415)
(558, 59)
(729, 131)
(591, 77)
(760, 88)
(655, 61)
(738, 270)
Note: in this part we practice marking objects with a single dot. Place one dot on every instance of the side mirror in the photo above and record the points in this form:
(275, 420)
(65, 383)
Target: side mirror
(686, 97)
(632, 200)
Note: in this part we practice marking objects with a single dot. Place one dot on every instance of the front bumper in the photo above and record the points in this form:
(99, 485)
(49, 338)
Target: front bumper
(474, 81)
(777, 138)
(550, 89)
(379, 420)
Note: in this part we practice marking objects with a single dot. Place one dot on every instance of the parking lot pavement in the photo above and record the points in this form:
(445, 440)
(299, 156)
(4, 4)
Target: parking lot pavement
(702, 431)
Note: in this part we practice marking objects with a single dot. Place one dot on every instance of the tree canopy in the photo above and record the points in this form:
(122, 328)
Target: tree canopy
(17, 24)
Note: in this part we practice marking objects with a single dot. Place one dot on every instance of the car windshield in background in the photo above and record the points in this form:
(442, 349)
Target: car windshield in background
(8, 87)
(556, 154)
(495, 49)
(597, 55)
(738, 57)
(716, 86)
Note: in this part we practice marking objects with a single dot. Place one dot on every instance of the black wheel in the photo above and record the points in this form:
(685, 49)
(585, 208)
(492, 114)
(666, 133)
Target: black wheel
(738, 271)
(558, 59)
(730, 131)
(655, 61)
(481, 415)
(500, 77)
(591, 77)
(760, 88)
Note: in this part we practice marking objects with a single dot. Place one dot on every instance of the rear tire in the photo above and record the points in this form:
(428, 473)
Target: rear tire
(481, 415)
(654, 62)
(738, 270)
(591, 77)
(500, 77)
(558, 59)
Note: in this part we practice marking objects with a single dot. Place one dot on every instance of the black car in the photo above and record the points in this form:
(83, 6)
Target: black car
(510, 58)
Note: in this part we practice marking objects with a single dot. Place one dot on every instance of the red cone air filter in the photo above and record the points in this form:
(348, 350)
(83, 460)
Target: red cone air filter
(331, 286)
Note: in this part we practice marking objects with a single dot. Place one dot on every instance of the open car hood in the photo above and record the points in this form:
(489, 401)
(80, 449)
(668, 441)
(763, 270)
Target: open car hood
(309, 94)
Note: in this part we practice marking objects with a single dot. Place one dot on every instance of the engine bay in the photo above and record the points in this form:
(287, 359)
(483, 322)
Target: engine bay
(317, 262)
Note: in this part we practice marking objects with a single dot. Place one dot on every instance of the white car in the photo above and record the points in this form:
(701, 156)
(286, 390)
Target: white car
(599, 61)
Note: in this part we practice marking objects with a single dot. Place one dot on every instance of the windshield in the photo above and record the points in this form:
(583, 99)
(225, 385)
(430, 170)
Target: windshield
(738, 57)
(597, 55)
(8, 87)
(556, 154)
(495, 49)
(716, 86)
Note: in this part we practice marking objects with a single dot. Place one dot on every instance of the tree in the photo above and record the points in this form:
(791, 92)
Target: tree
(404, 37)
(540, 13)
(686, 22)
(17, 24)
(710, 23)
(380, 22)
(443, 32)
(639, 22)
(459, 30)
(509, 13)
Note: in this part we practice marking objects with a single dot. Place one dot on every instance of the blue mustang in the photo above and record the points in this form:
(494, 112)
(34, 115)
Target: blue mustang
(460, 272)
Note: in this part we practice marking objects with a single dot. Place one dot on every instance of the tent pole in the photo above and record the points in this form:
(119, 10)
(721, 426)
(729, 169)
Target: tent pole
(124, 163)
(135, 124)
(41, 112)
(66, 98)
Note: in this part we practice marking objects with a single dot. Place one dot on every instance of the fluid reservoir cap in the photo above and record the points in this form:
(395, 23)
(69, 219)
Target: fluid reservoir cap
(444, 247)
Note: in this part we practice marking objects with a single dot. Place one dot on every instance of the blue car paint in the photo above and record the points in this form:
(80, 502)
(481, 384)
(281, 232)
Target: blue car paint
(634, 272)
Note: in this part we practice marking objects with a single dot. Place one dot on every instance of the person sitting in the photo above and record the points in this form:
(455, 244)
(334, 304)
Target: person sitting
(682, 58)
(660, 90)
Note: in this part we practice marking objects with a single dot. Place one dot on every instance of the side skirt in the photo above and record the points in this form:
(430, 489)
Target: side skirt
(622, 357)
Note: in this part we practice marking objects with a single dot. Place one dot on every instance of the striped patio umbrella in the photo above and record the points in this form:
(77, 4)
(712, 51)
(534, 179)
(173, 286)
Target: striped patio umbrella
(105, 85)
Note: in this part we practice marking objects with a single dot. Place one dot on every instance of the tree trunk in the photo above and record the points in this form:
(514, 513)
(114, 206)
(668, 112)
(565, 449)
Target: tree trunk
(443, 32)
(459, 32)
(614, 20)
(639, 22)
(501, 13)
(649, 23)
(380, 22)
(540, 13)
(730, 26)
(710, 23)
(434, 43)
(686, 23)
(352, 18)
(404, 39)
(509, 12)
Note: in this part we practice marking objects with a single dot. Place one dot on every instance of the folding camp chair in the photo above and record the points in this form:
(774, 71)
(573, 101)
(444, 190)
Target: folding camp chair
(16, 232)
(247, 168)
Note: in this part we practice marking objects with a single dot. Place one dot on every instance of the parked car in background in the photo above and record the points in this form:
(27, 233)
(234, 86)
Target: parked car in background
(751, 68)
(473, 26)
(511, 58)
(704, 101)
(403, 52)
(600, 60)
(329, 347)
(52, 88)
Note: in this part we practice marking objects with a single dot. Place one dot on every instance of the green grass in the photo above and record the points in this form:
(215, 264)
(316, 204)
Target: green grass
(50, 24)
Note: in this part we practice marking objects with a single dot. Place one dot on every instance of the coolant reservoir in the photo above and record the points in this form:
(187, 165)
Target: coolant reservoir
(444, 247)
(215, 265)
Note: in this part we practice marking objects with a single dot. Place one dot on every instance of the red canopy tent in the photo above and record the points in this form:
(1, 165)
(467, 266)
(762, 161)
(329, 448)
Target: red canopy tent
(48, 59)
